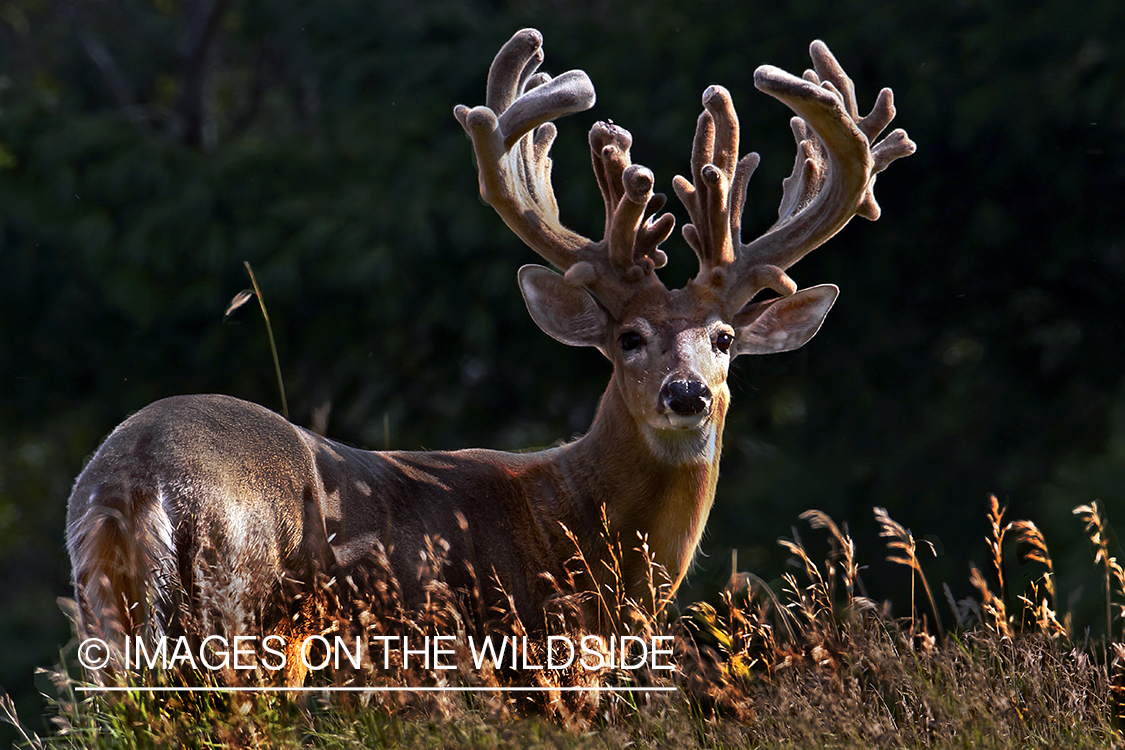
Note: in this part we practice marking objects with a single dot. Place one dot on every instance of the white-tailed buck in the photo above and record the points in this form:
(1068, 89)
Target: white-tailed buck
(200, 491)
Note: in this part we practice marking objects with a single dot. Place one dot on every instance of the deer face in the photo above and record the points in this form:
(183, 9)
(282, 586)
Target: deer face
(671, 350)
(674, 367)
(671, 368)
(672, 353)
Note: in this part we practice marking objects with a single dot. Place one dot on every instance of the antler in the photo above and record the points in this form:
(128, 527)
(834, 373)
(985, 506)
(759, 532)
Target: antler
(512, 135)
(832, 180)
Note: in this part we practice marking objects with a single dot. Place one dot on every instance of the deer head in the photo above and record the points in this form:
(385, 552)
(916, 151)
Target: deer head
(671, 349)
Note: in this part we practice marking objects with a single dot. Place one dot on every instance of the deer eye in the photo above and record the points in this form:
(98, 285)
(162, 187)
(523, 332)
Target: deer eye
(724, 341)
(630, 340)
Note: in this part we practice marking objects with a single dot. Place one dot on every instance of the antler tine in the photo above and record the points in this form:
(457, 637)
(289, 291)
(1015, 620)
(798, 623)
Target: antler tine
(513, 65)
(515, 175)
(832, 180)
(715, 169)
(631, 235)
(515, 171)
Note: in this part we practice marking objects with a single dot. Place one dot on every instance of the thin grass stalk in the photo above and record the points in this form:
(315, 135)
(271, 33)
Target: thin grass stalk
(990, 603)
(784, 616)
(1045, 617)
(241, 299)
(273, 344)
(1097, 530)
(581, 558)
(996, 541)
(844, 547)
(902, 540)
(8, 715)
(819, 599)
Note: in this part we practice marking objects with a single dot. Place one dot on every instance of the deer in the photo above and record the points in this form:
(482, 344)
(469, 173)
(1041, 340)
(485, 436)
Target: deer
(203, 491)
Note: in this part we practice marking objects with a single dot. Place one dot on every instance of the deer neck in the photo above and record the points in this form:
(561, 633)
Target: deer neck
(657, 484)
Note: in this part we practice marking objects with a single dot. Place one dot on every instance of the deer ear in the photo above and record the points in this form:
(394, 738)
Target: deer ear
(785, 323)
(565, 312)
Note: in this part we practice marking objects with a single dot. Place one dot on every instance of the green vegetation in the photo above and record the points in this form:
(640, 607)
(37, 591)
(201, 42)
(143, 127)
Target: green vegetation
(976, 346)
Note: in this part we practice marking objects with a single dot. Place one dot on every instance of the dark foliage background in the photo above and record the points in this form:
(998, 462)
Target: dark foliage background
(149, 147)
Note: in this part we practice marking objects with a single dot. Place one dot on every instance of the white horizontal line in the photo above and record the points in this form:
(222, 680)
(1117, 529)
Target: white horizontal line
(393, 689)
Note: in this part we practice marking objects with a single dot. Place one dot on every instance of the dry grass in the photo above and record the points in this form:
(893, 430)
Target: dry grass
(816, 664)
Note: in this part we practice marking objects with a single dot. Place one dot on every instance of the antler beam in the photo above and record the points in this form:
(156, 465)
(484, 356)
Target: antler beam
(512, 136)
(514, 171)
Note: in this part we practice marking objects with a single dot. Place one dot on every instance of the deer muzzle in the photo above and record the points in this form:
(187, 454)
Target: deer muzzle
(685, 398)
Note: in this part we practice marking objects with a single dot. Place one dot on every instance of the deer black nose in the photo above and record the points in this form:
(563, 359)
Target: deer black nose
(686, 397)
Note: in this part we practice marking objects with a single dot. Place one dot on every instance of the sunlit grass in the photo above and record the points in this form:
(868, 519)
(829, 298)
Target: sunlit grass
(812, 665)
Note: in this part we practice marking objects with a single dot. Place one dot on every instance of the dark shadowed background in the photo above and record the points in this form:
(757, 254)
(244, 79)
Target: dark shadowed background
(149, 147)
